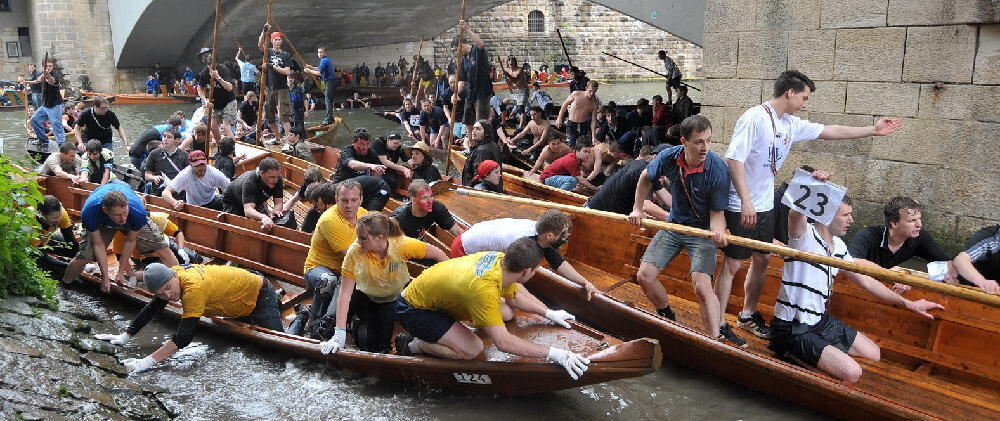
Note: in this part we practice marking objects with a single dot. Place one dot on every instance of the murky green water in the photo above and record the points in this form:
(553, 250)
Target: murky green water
(219, 378)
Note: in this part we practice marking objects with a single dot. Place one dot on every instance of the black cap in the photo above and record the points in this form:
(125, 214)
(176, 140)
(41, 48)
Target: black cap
(204, 50)
(394, 135)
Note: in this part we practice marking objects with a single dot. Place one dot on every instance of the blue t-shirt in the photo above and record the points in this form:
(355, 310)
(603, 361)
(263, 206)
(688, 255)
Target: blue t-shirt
(188, 75)
(326, 70)
(93, 216)
(707, 186)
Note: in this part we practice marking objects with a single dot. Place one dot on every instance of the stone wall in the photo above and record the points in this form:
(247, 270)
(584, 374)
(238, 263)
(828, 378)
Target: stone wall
(12, 67)
(78, 34)
(588, 30)
(934, 63)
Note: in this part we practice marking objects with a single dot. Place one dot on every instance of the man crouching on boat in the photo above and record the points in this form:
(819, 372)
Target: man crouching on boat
(801, 329)
(432, 307)
(202, 290)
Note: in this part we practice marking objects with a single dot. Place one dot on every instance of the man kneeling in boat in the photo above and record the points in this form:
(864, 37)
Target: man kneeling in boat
(699, 190)
(801, 329)
(202, 290)
(374, 272)
(432, 307)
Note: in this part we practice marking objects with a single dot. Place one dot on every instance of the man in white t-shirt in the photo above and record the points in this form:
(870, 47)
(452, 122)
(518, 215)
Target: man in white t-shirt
(200, 182)
(761, 140)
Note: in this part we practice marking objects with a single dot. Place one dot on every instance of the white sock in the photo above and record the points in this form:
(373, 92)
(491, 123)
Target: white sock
(414, 346)
(745, 315)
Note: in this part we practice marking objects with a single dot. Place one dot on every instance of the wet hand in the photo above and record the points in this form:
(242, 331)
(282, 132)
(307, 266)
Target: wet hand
(136, 366)
(575, 364)
(114, 339)
(335, 343)
(560, 317)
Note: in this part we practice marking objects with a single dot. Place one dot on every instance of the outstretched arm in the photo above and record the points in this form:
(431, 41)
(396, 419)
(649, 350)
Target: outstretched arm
(884, 127)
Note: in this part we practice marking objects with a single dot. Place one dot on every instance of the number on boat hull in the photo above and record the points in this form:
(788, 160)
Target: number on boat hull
(472, 378)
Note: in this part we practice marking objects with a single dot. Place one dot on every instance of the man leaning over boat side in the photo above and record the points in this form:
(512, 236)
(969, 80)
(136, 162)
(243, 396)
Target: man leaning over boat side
(699, 190)
(486, 289)
(334, 234)
(551, 231)
(200, 182)
(618, 192)
(802, 330)
(201, 290)
(109, 209)
(247, 195)
(762, 138)
(979, 264)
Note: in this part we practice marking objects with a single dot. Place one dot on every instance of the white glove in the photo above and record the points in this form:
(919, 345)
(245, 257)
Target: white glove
(335, 343)
(114, 339)
(136, 366)
(559, 317)
(185, 259)
(575, 364)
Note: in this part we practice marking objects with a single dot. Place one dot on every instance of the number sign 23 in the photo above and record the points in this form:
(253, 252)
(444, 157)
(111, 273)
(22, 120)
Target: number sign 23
(813, 198)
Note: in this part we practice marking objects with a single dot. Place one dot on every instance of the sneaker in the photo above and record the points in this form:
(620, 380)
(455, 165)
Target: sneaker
(726, 335)
(667, 313)
(755, 324)
(402, 342)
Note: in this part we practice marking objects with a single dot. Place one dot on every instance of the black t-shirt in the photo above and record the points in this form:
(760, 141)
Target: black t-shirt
(50, 93)
(348, 154)
(380, 148)
(221, 97)
(98, 126)
(551, 255)
(159, 163)
(248, 112)
(282, 58)
(872, 244)
(617, 194)
(36, 88)
(226, 165)
(427, 172)
(415, 227)
(989, 264)
(139, 146)
(411, 118)
(248, 188)
(434, 119)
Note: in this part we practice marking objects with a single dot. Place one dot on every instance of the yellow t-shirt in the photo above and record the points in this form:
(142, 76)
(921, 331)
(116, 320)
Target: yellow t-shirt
(330, 240)
(161, 220)
(383, 279)
(215, 290)
(46, 234)
(467, 288)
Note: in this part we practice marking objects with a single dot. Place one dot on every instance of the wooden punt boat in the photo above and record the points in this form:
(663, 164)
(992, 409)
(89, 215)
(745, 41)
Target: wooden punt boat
(930, 369)
(324, 134)
(15, 100)
(502, 86)
(280, 257)
(146, 98)
(515, 184)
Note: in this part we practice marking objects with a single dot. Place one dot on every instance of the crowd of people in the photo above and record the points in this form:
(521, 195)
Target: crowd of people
(655, 160)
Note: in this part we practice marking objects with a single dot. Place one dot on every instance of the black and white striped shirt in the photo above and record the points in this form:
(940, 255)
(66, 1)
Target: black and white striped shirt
(806, 286)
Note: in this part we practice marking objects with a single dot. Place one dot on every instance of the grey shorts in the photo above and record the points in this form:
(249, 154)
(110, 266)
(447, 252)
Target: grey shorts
(150, 239)
(667, 244)
(227, 113)
(276, 103)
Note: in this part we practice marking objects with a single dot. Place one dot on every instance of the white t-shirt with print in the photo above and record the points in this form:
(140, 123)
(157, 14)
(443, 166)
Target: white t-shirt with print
(200, 191)
(755, 140)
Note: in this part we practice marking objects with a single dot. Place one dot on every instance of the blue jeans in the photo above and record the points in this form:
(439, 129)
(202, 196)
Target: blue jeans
(54, 116)
(565, 182)
(36, 99)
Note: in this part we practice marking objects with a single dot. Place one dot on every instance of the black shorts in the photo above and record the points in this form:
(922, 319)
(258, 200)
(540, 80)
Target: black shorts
(806, 342)
(429, 325)
(674, 82)
(763, 231)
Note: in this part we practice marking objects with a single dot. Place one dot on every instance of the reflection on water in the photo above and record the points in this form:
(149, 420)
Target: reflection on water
(220, 378)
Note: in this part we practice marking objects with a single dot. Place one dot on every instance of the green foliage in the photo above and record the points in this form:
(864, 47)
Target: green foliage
(19, 196)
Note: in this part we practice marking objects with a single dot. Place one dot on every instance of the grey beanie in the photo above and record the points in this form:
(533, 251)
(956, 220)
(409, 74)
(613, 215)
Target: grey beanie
(156, 276)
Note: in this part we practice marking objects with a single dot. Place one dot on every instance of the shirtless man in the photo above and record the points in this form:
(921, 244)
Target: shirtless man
(555, 149)
(582, 114)
(517, 80)
(602, 163)
(538, 127)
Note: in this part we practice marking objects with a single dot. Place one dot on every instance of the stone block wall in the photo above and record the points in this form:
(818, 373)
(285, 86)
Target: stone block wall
(934, 63)
(588, 30)
(78, 34)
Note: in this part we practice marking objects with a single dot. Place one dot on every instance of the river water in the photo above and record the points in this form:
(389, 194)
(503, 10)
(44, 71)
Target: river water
(219, 378)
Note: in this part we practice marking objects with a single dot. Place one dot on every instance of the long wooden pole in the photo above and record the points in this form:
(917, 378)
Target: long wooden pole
(211, 68)
(875, 272)
(413, 77)
(651, 70)
(454, 107)
(263, 78)
(299, 57)
(564, 48)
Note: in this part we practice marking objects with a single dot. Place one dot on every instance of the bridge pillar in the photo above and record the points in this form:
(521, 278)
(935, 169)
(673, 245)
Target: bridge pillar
(78, 34)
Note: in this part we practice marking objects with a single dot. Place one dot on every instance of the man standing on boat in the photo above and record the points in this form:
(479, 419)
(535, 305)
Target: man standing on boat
(34, 81)
(583, 106)
(801, 330)
(761, 141)
(326, 74)
(248, 73)
(223, 102)
(279, 65)
(673, 75)
(51, 108)
(486, 289)
(476, 74)
(334, 234)
(699, 191)
(201, 290)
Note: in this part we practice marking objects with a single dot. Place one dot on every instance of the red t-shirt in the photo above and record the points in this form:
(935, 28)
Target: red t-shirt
(567, 165)
(660, 116)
